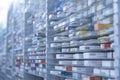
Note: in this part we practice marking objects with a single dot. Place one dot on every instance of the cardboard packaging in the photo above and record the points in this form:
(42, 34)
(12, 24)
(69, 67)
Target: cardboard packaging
(42, 62)
(91, 78)
(107, 45)
(59, 67)
(78, 63)
(105, 72)
(88, 47)
(92, 63)
(55, 72)
(63, 56)
(55, 45)
(74, 49)
(65, 68)
(66, 50)
(82, 70)
(68, 68)
(76, 76)
(110, 55)
(112, 73)
(107, 64)
(101, 26)
(65, 62)
(92, 55)
(96, 71)
(78, 56)
(65, 44)
(95, 78)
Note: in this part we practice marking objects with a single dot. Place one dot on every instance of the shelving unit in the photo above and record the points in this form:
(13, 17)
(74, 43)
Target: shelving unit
(9, 43)
(64, 40)
(18, 39)
(14, 41)
(35, 61)
(79, 50)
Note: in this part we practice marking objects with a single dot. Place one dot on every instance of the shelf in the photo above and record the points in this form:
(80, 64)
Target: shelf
(37, 59)
(84, 43)
(87, 74)
(63, 76)
(100, 59)
(83, 51)
(83, 38)
(36, 74)
(81, 66)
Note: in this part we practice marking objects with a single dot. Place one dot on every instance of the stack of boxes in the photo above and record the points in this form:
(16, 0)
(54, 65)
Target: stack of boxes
(36, 59)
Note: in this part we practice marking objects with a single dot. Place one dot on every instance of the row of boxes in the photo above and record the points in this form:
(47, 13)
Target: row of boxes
(109, 64)
(36, 57)
(64, 68)
(84, 77)
(88, 47)
(104, 72)
(60, 38)
(84, 47)
(87, 55)
(85, 42)
(99, 72)
(36, 65)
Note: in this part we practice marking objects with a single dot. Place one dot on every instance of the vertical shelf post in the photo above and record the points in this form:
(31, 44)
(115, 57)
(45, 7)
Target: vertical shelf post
(117, 37)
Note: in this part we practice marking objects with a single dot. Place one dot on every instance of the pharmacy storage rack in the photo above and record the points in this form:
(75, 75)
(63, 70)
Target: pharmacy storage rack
(84, 40)
(28, 42)
(9, 43)
(69, 40)
(18, 41)
(14, 41)
(35, 41)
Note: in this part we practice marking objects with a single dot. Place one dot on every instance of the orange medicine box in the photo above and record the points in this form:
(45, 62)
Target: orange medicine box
(107, 45)
(42, 61)
(101, 26)
(92, 78)
(95, 78)
(68, 68)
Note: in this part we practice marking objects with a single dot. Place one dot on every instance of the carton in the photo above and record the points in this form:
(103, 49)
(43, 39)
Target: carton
(68, 68)
(95, 78)
(91, 78)
(63, 56)
(107, 45)
(93, 55)
(105, 72)
(96, 71)
(101, 26)
(88, 47)
(66, 50)
(82, 70)
(107, 64)
(78, 63)
(76, 76)
(78, 56)
(59, 68)
(110, 55)
(92, 63)
(65, 62)
(42, 61)
(112, 73)
(65, 44)
(74, 49)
